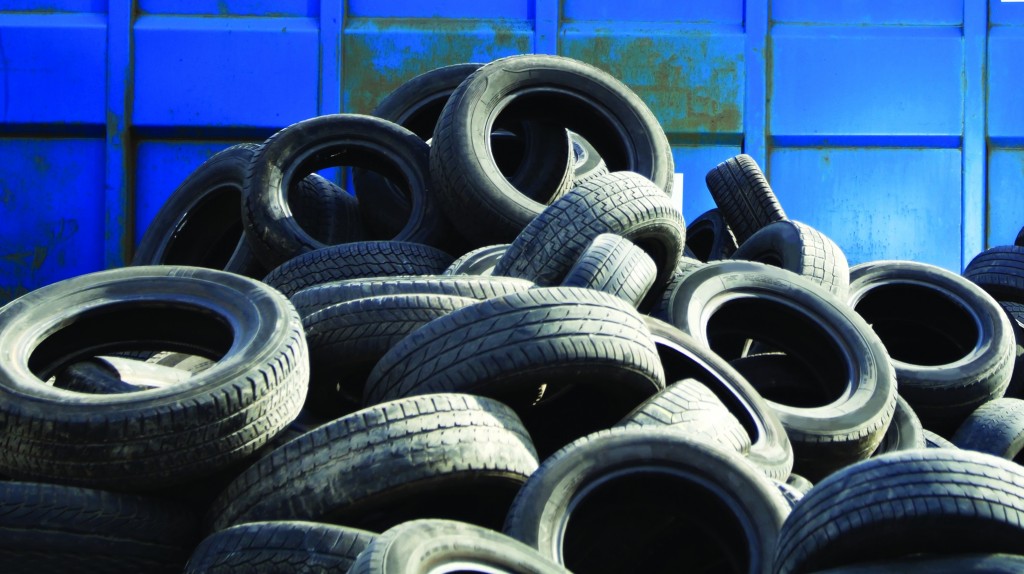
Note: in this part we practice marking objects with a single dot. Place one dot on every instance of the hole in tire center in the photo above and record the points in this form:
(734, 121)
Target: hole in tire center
(653, 521)
(918, 324)
(820, 369)
(126, 328)
(210, 231)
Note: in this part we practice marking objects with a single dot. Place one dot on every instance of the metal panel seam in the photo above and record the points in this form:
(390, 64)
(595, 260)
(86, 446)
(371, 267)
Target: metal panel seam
(755, 104)
(973, 221)
(118, 219)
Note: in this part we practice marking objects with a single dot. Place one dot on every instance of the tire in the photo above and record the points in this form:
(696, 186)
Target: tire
(743, 196)
(51, 528)
(904, 433)
(588, 163)
(689, 406)
(200, 223)
(346, 340)
(709, 238)
(933, 440)
(568, 361)
(1019, 241)
(522, 153)
(312, 299)
(725, 304)
(321, 142)
(480, 261)
(1000, 272)
(800, 483)
(621, 203)
(952, 346)
(616, 266)
(973, 563)
(283, 547)
(431, 545)
(158, 437)
(567, 92)
(659, 298)
(354, 261)
(1015, 314)
(936, 501)
(111, 375)
(799, 248)
(671, 499)
(327, 212)
(996, 427)
(684, 357)
(442, 456)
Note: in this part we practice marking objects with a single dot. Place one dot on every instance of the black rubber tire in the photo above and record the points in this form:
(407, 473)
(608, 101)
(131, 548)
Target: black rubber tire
(933, 440)
(622, 203)
(996, 427)
(567, 92)
(354, 261)
(973, 563)
(312, 299)
(689, 406)
(281, 547)
(51, 528)
(346, 340)
(440, 456)
(157, 437)
(200, 223)
(480, 261)
(709, 238)
(799, 248)
(904, 433)
(326, 211)
(951, 344)
(1015, 314)
(660, 296)
(725, 304)
(743, 195)
(646, 500)
(684, 357)
(569, 361)
(935, 501)
(800, 483)
(1000, 272)
(616, 266)
(327, 141)
(432, 545)
(588, 162)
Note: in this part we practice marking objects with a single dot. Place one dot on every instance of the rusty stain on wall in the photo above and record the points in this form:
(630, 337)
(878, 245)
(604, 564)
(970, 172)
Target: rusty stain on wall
(381, 54)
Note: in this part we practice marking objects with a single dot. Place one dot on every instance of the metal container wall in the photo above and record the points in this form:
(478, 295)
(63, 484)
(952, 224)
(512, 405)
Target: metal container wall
(897, 128)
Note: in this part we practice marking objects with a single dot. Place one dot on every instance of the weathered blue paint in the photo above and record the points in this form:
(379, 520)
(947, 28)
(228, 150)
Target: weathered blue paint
(894, 127)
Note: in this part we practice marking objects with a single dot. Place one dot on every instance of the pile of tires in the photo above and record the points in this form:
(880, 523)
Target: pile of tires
(504, 351)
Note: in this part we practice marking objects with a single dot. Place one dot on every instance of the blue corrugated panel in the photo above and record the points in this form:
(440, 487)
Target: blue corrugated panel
(894, 127)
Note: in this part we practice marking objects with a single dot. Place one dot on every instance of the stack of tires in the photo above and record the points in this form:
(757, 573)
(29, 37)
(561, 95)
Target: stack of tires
(504, 351)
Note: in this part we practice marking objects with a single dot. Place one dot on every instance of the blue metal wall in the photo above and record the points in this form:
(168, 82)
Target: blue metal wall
(897, 128)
